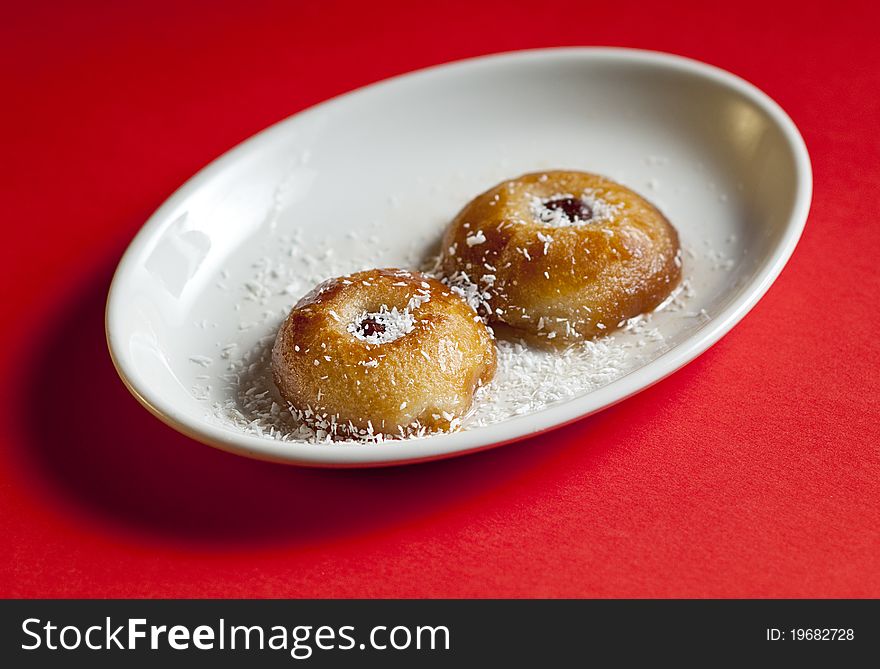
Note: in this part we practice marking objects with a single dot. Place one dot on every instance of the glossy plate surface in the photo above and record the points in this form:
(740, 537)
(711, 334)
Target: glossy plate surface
(378, 172)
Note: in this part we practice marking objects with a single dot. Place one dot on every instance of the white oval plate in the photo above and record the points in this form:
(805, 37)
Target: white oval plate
(371, 178)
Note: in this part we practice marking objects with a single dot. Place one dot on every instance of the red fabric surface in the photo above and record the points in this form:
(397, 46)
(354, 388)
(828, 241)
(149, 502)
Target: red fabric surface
(752, 472)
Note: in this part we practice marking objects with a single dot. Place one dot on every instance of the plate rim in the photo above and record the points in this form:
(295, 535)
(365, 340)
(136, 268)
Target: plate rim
(519, 427)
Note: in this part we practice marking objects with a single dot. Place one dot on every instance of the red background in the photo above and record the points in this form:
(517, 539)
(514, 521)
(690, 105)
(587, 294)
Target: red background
(752, 472)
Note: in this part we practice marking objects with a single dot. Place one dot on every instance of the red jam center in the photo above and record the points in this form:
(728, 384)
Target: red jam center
(370, 327)
(575, 208)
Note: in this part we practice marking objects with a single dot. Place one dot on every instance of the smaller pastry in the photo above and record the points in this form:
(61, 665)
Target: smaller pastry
(382, 353)
(561, 256)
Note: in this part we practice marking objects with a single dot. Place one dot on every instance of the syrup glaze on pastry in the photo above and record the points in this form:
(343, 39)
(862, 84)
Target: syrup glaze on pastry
(382, 352)
(561, 256)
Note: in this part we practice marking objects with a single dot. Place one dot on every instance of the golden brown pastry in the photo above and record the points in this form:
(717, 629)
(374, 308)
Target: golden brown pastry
(382, 352)
(561, 256)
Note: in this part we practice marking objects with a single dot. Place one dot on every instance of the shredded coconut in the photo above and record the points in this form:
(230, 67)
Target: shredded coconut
(390, 325)
(476, 238)
(477, 297)
(602, 210)
(201, 360)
